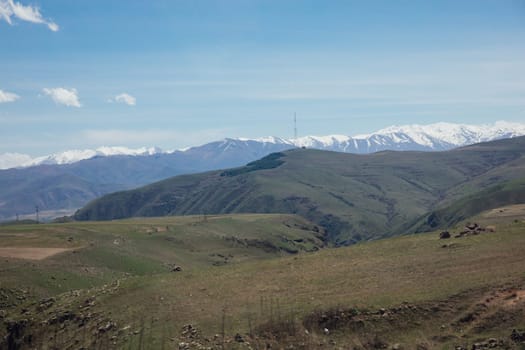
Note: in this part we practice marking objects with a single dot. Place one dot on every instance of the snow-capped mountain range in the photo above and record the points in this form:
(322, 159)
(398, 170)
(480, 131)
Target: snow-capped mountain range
(18, 160)
(431, 137)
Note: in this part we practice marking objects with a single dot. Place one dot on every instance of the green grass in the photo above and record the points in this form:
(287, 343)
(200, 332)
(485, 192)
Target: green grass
(366, 276)
(512, 192)
(271, 161)
(257, 292)
(103, 251)
(354, 197)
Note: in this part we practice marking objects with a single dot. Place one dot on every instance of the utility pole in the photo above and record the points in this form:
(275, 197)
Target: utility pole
(37, 218)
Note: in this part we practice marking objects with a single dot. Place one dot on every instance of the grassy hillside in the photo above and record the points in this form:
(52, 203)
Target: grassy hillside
(512, 192)
(410, 292)
(68, 187)
(354, 197)
(95, 253)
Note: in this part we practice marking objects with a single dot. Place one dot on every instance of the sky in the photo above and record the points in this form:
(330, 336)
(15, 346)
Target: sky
(89, 73)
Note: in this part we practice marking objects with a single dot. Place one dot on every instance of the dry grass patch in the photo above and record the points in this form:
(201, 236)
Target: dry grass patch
(508, 211)
(30, 253)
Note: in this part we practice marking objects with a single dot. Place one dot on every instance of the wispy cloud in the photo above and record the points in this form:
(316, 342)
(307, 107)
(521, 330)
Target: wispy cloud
(10, 8)
(6, 96)
(63, 96)
(137, 138)
(124, 98)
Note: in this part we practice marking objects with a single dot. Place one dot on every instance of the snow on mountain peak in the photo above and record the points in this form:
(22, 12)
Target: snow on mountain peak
(431, 137)
(320, 141)
(266, 139)
(13, 160)
(452, 134)
(17, 160)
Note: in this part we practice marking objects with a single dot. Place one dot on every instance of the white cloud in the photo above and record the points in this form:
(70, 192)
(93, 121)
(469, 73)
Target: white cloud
(63, 96)
(125, 98)
(5, 11)
(6, 96)
(10, 8)
(166, 139)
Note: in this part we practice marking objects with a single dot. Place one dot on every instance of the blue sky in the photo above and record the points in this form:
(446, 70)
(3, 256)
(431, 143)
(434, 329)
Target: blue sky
(204, 70)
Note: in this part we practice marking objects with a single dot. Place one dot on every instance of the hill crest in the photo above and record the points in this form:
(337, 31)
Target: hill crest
(354, 197)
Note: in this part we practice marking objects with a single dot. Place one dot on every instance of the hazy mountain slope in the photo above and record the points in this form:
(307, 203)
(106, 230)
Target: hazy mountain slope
(354, 197)
(22, 189)
(104, 173)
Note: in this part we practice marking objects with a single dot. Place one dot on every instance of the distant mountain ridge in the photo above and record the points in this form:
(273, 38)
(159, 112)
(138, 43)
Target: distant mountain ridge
(19, 160)
(61, 188)
(431, 137)
(353, 197)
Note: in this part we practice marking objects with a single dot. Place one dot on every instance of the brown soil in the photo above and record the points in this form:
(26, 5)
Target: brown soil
(30, 253)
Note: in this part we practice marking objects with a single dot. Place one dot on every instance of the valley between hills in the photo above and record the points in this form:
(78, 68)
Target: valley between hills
(302, 249)
(354, 197)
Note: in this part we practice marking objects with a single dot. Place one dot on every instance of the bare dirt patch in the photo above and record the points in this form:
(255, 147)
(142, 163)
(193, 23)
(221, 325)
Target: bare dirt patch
(30, 253)
(507, 298)
(515, 299)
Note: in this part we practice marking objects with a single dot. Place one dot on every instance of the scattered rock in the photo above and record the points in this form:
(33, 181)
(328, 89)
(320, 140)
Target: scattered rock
(108, 326)
(472, 229)
(444, 235)
(517, 336)
(494, 343)
(173, 267)
(45, 303)
(62, 317)
(238, 338)
(471, 226)
(123, 329)
(189, 331)
(88, 303)
(467, 318)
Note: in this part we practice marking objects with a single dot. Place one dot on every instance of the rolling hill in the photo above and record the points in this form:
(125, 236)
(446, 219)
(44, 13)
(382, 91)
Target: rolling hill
(354, 197)
(63, 182)
(512, 192)
(113, 286)
(67, 187)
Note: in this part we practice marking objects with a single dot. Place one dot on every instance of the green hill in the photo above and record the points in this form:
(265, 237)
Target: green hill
(354, 197)
(51, 258)
(507, 193)
(114, 290)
